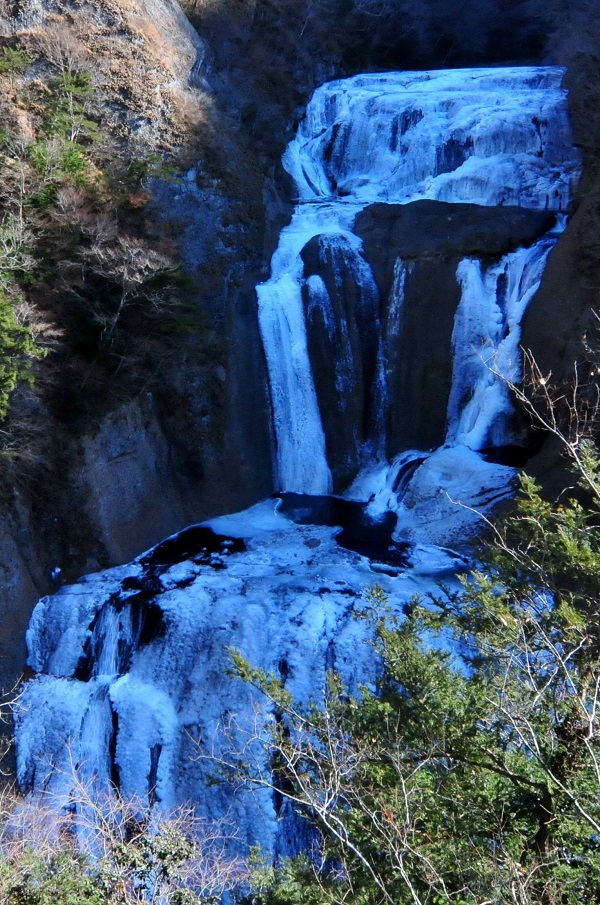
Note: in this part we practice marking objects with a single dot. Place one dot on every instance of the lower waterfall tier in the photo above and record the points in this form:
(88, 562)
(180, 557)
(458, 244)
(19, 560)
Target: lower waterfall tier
(132, 686)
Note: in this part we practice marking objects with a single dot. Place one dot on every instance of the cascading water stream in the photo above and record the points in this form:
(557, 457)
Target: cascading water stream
(485, 341)
(300, 437)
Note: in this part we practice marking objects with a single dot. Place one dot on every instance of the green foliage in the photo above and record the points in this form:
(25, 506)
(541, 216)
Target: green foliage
(72, 221)
(18, 351)
(56, 163)
(271, 685)
(68, 108)
(296, 880)
(65, 878)
(471, 776)
(138, 857)
(14, 60)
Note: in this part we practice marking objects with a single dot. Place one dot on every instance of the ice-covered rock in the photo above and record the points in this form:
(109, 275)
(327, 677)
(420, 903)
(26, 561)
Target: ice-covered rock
(132, 663)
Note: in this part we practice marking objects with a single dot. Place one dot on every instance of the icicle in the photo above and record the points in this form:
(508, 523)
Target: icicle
(485, 342)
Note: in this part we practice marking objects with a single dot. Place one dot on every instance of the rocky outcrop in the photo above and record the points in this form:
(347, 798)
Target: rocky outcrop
(343, 341)
(413, 251)
(553, 326)
(21, 579)
(127, 482)
(145, 54)
(560, 330)
(439, 229)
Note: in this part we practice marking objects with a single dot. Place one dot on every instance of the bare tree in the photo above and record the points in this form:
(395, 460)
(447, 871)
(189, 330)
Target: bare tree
(569, 413)
(59, 44)
(133, 266)
(125, 848)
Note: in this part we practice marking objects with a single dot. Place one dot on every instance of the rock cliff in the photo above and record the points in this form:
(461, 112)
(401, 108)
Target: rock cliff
(105, 457)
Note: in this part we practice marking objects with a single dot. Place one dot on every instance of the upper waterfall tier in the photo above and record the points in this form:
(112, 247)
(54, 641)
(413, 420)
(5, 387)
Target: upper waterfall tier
(486, 136)
(462, 141)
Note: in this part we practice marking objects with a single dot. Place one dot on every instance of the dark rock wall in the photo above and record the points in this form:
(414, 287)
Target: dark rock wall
(342, 317)
(419, 355)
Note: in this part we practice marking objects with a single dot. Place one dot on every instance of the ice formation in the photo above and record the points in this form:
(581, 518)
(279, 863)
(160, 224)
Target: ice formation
(131, 683)
(488, 136)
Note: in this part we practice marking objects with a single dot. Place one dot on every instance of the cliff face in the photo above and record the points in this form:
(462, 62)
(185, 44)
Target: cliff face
(123, 442)
(560, 326)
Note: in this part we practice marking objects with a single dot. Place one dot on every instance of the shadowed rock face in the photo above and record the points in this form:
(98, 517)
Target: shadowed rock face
(436, 228)
(343, 340)
(354, 312)
(560, 314)
(430, 238)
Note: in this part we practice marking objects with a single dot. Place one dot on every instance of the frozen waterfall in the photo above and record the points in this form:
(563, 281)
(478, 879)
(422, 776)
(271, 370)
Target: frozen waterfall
(485, 341)
(374, 325)
(488, 137)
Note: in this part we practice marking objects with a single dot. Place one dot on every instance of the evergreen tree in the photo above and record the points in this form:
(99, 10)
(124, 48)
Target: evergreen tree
(18, 351)
(472, 773)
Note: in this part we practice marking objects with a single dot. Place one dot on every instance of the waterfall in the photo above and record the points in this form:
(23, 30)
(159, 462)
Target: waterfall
(299, 432)
(485, 342)
(491, 137)
(131, 682)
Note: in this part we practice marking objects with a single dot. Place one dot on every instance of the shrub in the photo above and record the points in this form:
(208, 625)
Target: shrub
(18, 352)
(472, 773)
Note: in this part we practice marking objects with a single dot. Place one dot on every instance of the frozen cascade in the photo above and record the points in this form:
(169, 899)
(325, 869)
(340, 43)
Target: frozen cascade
(486, 339)
(131, 682)
(301, 454)
(95, 738)
(394, 319)
(490, 136)
(287, 601)
(113, 633)
(487, 136)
